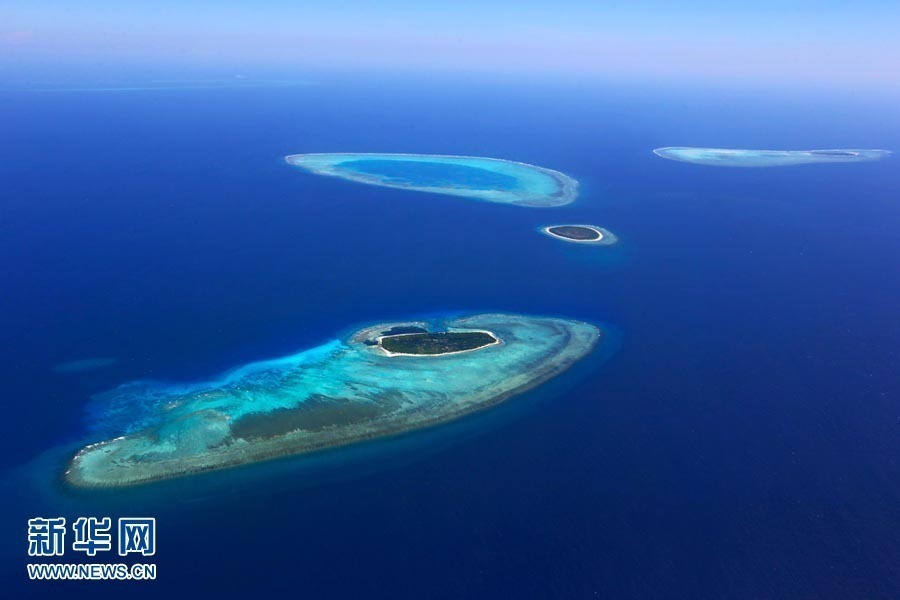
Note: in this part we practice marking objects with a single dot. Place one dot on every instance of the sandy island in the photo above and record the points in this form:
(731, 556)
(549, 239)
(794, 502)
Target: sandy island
(380, 347)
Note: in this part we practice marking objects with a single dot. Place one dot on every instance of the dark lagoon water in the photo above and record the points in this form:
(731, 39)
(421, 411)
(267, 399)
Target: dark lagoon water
(735, 437)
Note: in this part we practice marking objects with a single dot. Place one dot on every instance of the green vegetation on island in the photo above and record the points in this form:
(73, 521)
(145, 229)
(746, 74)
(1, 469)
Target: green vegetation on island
(574, 232)
(444, 342)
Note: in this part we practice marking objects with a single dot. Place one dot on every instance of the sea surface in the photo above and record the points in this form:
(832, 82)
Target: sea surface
(736, 436)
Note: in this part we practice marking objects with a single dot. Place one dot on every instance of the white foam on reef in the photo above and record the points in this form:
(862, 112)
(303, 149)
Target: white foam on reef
(725, 157)
(193, 426)
(536, 186)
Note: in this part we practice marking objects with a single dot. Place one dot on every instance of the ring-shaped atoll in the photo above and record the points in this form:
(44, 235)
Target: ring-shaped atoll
(487, 179)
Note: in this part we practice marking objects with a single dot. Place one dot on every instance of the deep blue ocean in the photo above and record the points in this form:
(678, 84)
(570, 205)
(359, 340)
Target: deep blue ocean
(736, 436)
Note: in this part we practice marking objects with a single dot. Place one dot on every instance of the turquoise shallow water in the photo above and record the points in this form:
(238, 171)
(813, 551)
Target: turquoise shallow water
(339, 392)
(726, 157)
(433, 174)
(741, 445)
(479, 178)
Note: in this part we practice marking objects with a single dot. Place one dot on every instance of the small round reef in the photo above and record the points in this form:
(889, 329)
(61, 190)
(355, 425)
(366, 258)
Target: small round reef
(581, 234)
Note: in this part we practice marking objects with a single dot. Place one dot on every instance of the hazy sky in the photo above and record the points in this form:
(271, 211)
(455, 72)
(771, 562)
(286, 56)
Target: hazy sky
(847, 42)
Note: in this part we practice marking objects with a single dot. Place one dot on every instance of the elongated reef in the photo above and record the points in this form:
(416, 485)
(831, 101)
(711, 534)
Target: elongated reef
(725, 157)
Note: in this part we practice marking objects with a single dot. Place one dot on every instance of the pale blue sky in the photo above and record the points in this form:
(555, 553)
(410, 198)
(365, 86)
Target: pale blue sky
(820, 41)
